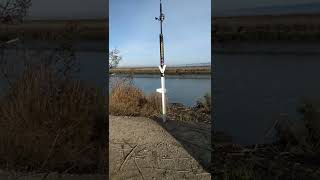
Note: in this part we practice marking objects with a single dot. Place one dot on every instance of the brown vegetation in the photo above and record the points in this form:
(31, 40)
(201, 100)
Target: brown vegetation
(127, 100)
(47, 124)
(294, 154)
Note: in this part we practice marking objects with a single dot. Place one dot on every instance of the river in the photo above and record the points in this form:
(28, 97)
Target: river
(256, 82)
(184, 89)
(93, 64)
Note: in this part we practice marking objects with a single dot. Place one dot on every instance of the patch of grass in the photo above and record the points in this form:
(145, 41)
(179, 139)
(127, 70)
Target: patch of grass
(50, 124)
(204, 104)
(127, 100)
(311, 119)
(242, 170)
(302, 136)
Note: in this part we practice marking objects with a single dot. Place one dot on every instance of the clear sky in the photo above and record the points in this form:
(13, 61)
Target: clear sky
(186, 28)
(68, 9)
(235, 7)
(47, 9)
(76, 9)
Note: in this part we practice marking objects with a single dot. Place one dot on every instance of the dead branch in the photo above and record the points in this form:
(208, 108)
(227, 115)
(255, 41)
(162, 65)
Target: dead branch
(135, 161)
(127, 157)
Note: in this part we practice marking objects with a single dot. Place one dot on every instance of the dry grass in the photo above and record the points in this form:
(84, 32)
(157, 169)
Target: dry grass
(204, 105)
(47, 124)
(301, 137)
(128, 100)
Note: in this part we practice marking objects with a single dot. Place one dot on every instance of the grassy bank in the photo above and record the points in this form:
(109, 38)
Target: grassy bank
(48, 124)
(293, 155)
(128, 100)
(268, 27)
(50, 29)
(169, 70)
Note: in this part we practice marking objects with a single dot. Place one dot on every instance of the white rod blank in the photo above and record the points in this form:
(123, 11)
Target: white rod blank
(162, 90)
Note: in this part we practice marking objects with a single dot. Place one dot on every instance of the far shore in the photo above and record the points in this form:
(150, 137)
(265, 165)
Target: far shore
(169, 70)
(289, 27)
(87, 29)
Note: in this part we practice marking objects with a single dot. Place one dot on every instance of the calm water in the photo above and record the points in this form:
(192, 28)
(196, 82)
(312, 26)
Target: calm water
(180, 89)
(252, 89)
(92, 58)
(253, 83)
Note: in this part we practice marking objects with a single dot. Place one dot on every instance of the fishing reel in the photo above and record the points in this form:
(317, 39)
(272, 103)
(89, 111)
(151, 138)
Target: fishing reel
(161, 18)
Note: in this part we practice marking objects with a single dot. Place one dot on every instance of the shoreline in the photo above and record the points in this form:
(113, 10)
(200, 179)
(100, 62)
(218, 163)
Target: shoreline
(286, 27)
(289, 27)
(94, 29)
(170, 70)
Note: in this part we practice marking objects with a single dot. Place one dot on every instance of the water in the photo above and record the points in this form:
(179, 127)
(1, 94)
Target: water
(91, 56)
(185, 89)
(93, 64)
(253, 88)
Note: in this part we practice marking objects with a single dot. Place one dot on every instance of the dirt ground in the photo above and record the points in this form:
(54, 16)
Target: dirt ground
(142, 148)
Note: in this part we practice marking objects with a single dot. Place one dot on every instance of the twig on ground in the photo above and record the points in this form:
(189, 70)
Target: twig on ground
(50, 152)
(139, 168)
(45, 176)
(126, 142)
(127, 157)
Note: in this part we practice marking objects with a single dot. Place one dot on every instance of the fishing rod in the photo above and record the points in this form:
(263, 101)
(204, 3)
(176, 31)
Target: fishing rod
(162, 66)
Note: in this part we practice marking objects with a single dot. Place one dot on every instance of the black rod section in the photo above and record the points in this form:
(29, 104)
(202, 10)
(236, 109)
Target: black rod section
(161, 19)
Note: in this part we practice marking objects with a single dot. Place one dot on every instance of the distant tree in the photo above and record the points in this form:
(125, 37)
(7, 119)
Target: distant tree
(13, 11)
(114, 58)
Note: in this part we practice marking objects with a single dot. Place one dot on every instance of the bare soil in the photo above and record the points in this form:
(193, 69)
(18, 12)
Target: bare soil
(142, 148)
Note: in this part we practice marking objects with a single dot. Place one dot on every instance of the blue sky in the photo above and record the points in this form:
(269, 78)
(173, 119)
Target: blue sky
(254, 7)
(186, 28)
(90, 9)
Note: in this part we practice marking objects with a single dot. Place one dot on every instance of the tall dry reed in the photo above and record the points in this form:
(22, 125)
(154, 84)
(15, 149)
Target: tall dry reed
(128, 100)
(49, 124)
